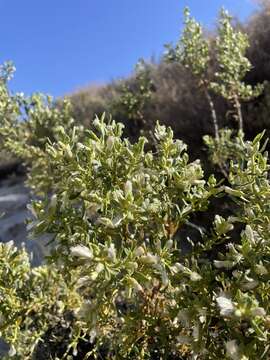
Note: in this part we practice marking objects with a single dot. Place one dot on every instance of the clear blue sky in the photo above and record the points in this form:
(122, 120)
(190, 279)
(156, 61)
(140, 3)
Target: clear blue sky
(61, 45)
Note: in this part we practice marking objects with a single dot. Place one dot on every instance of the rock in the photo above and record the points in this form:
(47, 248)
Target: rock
(4, 348)
(14, 197)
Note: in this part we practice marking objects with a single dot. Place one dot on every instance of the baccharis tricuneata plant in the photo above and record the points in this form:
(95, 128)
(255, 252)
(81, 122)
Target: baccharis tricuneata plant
(137, 286)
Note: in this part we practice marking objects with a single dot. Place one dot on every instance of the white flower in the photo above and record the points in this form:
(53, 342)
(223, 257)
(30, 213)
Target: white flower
(169, 244)
(111, 252)
(250, 234)
(136, 286)
(110, 142)
(164, 278)
(261, 269)
(139, 251)
(227, 264)
(232, 350)
(258, 311)
(80, 146)
(202, 316)
(226, 306)
(98, 270)
(237, 274)
(82, 281)
(194, 276)
(149, 259)
(12, 351)
(117, 220)
(10, 244)
(53, 201)
(128, 187)
(81, 251)
(99, 267)
(93, 335)
(178, 267)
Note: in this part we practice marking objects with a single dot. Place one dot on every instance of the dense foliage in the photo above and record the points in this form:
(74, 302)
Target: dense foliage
(126, 277)
(31, 300)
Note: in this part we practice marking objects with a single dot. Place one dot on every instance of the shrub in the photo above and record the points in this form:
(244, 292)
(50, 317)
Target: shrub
(117, 215)
(134, 284)
(31, 301)
(179, 103)
(133, 99)
(92, 101)
(27, 124)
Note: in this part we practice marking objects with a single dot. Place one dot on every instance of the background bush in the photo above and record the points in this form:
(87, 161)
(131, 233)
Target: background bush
(176, 100)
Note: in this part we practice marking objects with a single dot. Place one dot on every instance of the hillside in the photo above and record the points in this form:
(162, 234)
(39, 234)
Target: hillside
(175, 98)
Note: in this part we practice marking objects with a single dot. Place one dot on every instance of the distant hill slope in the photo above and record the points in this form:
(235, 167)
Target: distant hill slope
(176, 100)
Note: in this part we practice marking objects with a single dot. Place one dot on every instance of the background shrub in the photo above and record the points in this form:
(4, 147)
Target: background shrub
(178, 103)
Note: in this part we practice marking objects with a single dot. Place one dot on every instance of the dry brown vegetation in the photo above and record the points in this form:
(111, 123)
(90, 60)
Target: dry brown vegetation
(176, 100)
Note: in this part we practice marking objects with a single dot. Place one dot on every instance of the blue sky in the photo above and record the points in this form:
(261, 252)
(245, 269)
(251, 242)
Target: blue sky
(59, 46)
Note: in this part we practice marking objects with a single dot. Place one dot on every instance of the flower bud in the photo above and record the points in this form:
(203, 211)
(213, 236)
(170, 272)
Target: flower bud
(259, 311)
(261, 269)
(53, 202)
(139, 251)
(12, 351)
(226, 305)
(232, 350)
(110, 142)
(194, 276)
(132, 266)
(136, 286)
(164, 278)
(68, 152)
(81, 251)
(169, 244)
(227, 264)
(177, 267)
(111, 252)
(80, 146)
(128, 187)
(149, 259)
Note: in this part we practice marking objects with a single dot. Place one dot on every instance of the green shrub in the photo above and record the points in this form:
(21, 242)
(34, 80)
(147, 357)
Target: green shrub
(27, 124)
(124, 276)
(178, 101)
(116, 216)
(31, 301)
(92, 101)
(133, 99)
